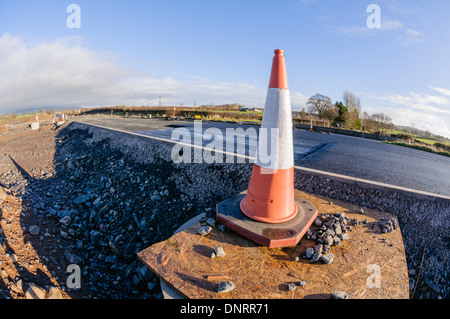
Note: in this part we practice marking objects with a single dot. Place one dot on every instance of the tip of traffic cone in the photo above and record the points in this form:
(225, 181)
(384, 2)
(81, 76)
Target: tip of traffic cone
(278, 76)
(279, 52)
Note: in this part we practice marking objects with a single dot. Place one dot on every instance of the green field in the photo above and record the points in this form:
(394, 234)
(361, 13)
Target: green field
(421, 148)
(419, 138)
(430, 142)
(396, 132)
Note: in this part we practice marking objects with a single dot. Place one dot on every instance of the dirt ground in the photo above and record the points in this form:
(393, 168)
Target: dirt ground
(30, 154)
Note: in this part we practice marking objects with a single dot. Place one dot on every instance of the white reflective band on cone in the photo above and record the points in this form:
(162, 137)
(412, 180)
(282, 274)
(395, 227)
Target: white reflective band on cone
(277, 117)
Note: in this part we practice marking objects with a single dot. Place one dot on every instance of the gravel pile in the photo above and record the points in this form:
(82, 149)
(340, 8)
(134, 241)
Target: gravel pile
(329, 230)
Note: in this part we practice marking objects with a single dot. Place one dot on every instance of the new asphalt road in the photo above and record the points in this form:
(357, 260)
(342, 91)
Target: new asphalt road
(350, 156)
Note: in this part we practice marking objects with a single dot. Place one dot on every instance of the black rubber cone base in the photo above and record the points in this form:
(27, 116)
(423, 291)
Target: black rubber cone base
(284, 234)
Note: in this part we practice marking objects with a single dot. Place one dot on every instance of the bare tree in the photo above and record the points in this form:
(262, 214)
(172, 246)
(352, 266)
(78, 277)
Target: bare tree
(353, 104)
(367, 123)
(383, 122)
(320, 104)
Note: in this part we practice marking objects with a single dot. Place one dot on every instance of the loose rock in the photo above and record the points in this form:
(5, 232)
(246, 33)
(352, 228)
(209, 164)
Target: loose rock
(318, 222)
(309, 253)
(219, 252)
(82, 199)
(339, 295)
(315, 257)
(34, 230)
(65, 221)
(225, 286)
(291, 287)
(205, 230)
(211, 222)
(72, 258)
(327, 259)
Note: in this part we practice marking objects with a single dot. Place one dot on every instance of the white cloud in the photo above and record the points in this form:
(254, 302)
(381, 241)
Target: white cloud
(365, 31)
(390, 25)
(298, 101)
(411, 37)
(426, 111)
(419, 101)
(405, 10)
(61, 72)
(440, 90)
(425, 121)
(145, 90)
(64, 73)
(407, 36)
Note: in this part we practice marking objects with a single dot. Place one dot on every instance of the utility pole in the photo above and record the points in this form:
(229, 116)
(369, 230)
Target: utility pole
(160, 103)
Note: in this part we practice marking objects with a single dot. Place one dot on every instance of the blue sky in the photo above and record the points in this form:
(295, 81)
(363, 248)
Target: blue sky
(217, 52)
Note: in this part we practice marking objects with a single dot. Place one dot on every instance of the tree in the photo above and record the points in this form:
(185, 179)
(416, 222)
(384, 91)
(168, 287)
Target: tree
(303, 113)
(331, 113)
(367, 123)
(427, 134)
(383, 122)
(353, 104)
(321, 105)
(342, 114)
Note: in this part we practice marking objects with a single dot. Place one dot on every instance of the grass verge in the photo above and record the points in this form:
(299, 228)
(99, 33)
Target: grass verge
(421, 148)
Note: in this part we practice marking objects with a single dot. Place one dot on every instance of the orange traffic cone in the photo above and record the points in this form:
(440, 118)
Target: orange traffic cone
(37, 118)
(270, 195)
(269, 212)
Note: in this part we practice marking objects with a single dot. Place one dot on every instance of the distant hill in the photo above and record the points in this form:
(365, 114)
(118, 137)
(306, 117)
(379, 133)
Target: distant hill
(37, 109)
(421, 133)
